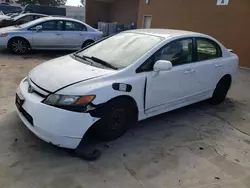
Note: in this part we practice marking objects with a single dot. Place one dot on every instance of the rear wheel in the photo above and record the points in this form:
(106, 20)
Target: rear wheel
(116, 119)
(86, 43)
(221, 90)
(19, 46)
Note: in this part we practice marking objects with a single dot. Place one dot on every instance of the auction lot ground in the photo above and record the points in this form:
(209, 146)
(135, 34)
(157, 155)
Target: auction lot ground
(197, 146)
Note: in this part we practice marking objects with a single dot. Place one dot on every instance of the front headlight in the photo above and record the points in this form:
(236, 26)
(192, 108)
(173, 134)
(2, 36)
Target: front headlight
(69, 102)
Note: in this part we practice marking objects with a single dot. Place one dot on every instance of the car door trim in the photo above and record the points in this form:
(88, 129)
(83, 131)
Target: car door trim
(144, 94)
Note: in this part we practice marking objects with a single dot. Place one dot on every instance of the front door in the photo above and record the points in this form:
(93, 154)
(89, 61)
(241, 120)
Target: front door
(171, 89)
(49, 37)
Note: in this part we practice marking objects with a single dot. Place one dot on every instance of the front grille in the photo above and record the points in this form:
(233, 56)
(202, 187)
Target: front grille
(40, 94)
(34, 88)
(27, 116)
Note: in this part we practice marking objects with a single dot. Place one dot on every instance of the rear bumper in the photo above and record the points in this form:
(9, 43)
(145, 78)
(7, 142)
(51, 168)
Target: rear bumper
(56, 126)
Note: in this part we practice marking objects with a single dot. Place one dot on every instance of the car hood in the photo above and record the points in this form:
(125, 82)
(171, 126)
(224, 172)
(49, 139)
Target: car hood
(8, 29)
(57, 73)
(3, 17)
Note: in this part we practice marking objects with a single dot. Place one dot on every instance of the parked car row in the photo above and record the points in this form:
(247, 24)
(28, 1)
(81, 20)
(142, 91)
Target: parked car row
(20, 19)
(7, 8)
(38, 31)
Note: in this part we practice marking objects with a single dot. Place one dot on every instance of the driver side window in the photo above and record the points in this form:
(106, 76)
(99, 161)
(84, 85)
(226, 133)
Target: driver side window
(50, 25)
(178, 52)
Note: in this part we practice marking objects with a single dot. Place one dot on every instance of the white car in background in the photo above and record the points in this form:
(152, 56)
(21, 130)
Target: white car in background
(2, 16)
(128, 77)
(51, 33)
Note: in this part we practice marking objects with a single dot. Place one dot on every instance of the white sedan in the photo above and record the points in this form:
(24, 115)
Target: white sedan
(128, 77)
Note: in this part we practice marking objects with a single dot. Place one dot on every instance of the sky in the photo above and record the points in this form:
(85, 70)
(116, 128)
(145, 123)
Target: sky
(73, 2)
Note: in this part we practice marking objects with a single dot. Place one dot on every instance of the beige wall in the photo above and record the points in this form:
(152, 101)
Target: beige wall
(95, 11)
(121, 11)
(229, 24)
(124, 11)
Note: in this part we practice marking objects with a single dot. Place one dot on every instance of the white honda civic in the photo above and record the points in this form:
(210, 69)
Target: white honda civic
(128, 77)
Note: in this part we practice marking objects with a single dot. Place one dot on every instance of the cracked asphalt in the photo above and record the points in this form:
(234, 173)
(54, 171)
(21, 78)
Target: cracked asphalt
(197, 146)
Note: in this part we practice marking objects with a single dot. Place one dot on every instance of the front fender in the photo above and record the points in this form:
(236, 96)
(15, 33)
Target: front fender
(104, 89)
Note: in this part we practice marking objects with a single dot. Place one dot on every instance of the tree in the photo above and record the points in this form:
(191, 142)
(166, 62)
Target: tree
(43, 2)
(82, 2)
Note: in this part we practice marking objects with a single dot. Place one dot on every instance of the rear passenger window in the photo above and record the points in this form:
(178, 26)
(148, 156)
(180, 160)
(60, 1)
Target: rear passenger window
(207, 49)
(74, 26)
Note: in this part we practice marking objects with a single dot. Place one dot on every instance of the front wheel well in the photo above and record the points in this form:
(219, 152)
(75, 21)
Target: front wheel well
(128, 100)
(13, 38)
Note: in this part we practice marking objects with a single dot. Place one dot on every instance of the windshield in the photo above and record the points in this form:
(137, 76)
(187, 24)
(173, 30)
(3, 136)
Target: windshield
(14, 15)
(122, 49)
(17, 17)
(31, 23)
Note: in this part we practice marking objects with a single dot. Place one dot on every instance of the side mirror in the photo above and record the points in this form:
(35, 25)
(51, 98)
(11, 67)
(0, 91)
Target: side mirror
(39, 28)
(162, 65)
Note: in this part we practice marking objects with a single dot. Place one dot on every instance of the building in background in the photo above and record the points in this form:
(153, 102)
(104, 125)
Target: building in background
(75, 12)
(223, 19)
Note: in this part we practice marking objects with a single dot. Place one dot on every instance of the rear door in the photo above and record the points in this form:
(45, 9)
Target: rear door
(208, 67)
(49, 37)
(73, 34)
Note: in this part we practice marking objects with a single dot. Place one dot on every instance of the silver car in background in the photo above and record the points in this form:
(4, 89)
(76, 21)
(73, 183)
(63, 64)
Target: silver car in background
(53, 33)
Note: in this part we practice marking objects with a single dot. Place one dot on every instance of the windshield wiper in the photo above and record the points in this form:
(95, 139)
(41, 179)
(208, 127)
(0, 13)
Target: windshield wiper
(95, 59)
(102, 62)
(81, 57)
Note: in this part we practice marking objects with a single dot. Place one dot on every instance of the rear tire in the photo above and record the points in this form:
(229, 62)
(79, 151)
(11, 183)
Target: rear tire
(116, 118)
(19, 46)
(221, 91)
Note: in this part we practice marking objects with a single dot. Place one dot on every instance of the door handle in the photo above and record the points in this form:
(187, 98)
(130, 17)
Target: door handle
(218, 65)
(189, 71)
(58, 34)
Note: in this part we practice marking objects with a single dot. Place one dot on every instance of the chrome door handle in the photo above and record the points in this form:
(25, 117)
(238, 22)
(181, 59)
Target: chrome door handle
(189, 71)
(218, 65)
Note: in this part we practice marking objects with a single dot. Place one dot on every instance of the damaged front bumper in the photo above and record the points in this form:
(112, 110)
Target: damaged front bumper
(59, 127)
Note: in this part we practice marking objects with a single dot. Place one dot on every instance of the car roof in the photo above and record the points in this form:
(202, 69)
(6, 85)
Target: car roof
(33, 14)
(60, 18)
(165, 33)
